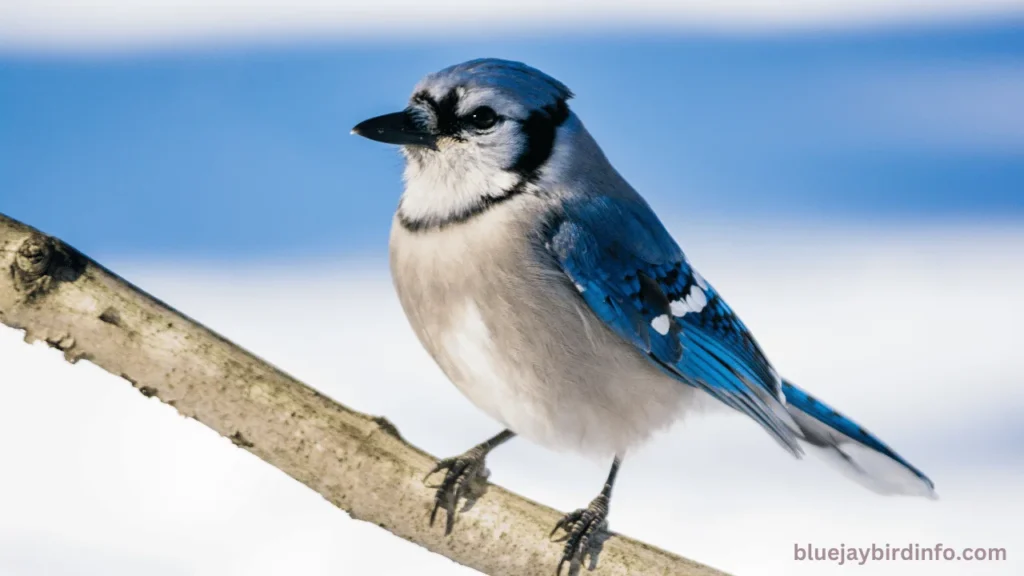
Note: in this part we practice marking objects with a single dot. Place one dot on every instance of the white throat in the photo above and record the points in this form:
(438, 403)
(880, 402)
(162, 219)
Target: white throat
(447, 185)
(458, 183)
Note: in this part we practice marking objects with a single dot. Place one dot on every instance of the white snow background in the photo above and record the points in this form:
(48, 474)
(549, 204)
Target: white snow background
(913, 332)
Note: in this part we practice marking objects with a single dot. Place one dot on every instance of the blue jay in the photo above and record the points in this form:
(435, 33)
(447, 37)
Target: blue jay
(552, 296)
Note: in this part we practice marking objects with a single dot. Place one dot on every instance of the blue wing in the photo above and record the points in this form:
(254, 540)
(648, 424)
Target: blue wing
(638, 282)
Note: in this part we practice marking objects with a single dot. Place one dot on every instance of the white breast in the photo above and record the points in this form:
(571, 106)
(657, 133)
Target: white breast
(486, 376)
(515, 338)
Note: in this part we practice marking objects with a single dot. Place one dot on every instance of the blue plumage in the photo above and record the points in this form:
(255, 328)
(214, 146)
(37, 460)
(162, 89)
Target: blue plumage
(496, 165)
(633, 275)
(635, 278)
(835, 422)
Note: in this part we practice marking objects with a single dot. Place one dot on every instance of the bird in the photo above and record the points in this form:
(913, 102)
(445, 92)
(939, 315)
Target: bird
(552, 296)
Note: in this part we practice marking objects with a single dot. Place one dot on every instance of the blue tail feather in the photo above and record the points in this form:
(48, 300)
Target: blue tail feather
(851, 448)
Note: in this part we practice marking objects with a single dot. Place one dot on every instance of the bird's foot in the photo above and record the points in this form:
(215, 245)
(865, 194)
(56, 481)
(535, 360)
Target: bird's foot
(582, 529)
(462, 473)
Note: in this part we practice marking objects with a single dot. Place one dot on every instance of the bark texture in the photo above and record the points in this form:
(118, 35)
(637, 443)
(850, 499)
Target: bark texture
(358, 462)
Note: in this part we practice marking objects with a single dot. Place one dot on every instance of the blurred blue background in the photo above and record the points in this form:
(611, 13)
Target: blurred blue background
(243, 151)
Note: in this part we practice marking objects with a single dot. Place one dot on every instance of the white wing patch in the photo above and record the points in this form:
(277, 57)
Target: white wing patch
(695, 301)
(660, 324)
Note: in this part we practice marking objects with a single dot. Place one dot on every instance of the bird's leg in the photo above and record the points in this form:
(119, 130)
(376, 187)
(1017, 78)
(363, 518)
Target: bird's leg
(581, 525)
(462, 470)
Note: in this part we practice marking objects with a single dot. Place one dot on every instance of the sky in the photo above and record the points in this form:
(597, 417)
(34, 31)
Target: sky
(243, 151)
(850, 175)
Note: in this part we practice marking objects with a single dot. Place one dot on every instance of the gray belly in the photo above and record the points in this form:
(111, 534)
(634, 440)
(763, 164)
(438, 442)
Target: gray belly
(515, 337)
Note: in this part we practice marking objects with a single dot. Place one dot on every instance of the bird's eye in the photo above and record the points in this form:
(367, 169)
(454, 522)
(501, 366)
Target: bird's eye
(483, 117)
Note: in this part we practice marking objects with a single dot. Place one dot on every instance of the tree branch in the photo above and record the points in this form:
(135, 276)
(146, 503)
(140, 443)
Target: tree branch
(357, 462)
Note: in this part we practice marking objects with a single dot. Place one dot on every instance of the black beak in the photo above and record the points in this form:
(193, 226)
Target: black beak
(398, 128)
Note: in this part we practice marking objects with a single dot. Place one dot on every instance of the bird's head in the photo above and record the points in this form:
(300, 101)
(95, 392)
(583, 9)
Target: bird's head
(472, 134)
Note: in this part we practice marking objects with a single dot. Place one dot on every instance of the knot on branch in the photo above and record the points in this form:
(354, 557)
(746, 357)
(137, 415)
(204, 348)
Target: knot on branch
(41, 262)
(386, 426)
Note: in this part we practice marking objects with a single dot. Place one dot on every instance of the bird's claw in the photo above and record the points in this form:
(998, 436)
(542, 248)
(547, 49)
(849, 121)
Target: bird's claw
(461, 472)
(581, 527)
